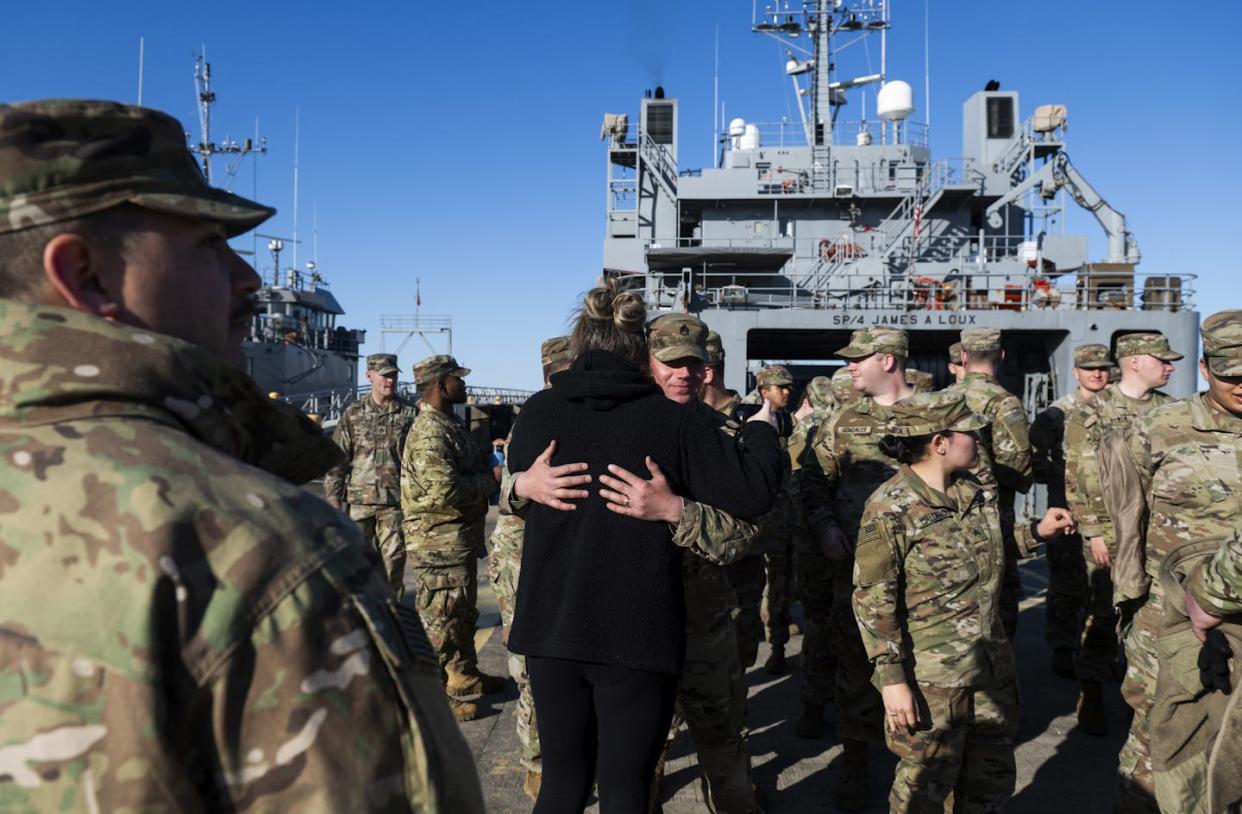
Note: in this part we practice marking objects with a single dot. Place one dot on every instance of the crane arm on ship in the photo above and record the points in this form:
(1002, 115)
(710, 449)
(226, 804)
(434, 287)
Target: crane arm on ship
(1059, 173)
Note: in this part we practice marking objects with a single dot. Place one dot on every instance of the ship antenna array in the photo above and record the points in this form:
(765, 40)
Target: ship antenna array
(206, 148)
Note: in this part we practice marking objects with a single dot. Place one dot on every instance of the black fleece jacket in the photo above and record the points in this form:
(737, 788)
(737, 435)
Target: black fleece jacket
(598, 587)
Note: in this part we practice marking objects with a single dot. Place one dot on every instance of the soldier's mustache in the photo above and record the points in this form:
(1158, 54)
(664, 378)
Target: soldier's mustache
(244, 309)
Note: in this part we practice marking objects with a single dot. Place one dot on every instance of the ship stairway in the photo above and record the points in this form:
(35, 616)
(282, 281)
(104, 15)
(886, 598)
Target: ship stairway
(658, 162)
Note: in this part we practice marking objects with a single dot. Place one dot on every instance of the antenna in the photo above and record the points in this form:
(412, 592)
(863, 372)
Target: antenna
(315, 231)
(716, 97)
(926, 71)
(206, 148)
(297, 121)
(141, 55)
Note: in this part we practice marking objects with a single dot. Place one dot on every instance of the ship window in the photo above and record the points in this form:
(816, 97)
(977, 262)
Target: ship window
(1000, 117)
(660, 123)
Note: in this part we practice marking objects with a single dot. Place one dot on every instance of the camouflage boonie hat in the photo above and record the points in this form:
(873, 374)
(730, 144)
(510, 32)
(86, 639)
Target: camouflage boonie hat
(1156, 345)
(554, 351)
(981, 340)
(930, 413)
(870, 341)
(1092, 357)
(843, 386)
(920, 380)
(1222, 343)
(435, 368)
(677, 336)
(715, 348)
(65, 158)
(819, 393)
(774, 376)
(955, 353)
(384, 364)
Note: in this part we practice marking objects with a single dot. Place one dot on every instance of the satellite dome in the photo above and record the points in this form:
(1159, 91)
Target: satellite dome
(737, 127)
(895, 101)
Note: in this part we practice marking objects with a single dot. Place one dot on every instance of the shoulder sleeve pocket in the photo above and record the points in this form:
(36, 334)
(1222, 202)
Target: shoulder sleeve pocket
(875, 556)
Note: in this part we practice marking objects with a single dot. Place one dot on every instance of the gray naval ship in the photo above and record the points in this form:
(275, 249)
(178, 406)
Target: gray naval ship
(806, 230)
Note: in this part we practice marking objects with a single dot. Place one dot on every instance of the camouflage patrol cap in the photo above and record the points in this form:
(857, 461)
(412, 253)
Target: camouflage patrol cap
(819, 393)
(1151, 344)
(843, 386)
(930, 413)
(1091, 357)
(955, 353)
(385, 364)
(715, 348)
(981, 340)
(65, 158)
(677, 336)
(920, 380)
(774, 376)
(868, 341)
(435, 368)
(1222, 343)
(554, 351)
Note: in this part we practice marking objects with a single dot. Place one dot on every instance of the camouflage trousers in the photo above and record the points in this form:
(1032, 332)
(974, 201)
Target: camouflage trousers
(779, 593)
(446, 597)
(813, 578)
(503, 568)
(962, 747)
(747, 578)
(381, 525)
(1098, 651)
(860, 712)
(711, 695)
(1067, 593)
(1136, 789)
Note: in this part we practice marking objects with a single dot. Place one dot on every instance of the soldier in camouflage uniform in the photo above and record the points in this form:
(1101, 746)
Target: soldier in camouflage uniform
(956, 369)
(812, 571)
(921, 381)
(928, 571)
(747, 574)
(846, 467)
(504, 566)
(1005, 459)
(446, 481)
(367, 485)
(1067, 574)
(182, 626)
(1200, 740)
(774, 384)
(1173, 479)
(1146, 363)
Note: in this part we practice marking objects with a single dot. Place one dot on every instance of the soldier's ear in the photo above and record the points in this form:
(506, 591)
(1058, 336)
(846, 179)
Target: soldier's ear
(81, 276)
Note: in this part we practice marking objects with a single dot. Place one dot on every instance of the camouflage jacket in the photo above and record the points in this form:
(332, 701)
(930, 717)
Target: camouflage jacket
(799, 447)
(372, 437)
(1085, 428)
(181, 630)
(1047, 445)
(1005, 455)
(927, 572)
(1173, 478)
(445, 483)
(845, 467)
(1217, 586)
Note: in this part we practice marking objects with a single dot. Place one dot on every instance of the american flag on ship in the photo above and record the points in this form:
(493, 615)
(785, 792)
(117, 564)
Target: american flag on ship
(918, 216)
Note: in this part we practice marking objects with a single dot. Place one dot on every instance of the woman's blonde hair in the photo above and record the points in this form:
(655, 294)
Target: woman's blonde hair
(611, 319)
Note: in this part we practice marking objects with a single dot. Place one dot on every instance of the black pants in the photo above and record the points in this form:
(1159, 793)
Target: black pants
(598, 719)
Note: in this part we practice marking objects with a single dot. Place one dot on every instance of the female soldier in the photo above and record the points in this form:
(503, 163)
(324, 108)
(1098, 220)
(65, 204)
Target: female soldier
(927, 581)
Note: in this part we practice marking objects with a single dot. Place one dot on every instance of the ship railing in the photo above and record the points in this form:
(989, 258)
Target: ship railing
(327, 406)
(973, 287)
(788, 133)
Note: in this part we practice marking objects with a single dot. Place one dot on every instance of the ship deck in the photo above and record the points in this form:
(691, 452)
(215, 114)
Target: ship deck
(1058, 767)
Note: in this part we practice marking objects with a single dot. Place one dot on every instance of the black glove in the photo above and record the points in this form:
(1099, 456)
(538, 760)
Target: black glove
(1214, 662)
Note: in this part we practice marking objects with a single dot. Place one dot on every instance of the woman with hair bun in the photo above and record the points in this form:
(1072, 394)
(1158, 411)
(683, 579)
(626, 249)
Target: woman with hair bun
(927, 578)
(599, 612)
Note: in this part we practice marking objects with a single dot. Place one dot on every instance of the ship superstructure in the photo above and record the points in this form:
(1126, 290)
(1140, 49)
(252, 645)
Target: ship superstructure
(806, 230)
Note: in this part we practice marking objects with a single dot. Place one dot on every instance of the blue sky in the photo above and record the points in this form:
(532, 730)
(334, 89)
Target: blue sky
(458, 143)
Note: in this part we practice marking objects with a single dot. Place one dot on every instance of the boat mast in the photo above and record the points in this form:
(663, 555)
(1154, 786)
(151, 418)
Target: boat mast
(206, 148)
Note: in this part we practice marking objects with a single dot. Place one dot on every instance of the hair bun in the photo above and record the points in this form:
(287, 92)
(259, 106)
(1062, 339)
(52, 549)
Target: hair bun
(629, 312)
